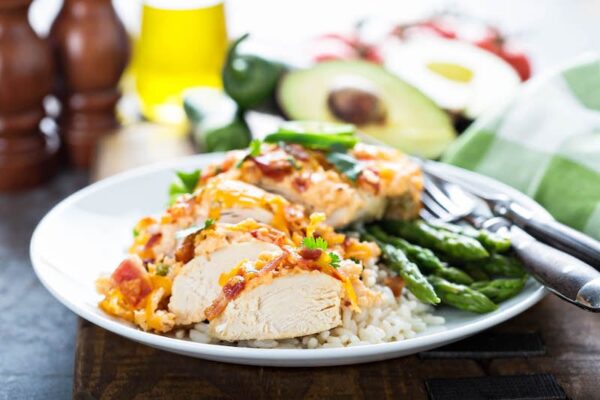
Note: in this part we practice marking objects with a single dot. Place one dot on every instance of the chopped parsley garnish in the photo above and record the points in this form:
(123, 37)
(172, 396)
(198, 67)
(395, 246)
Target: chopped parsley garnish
(254, 148)
(135, 232)
(294, 163)
(346, 164)
(314, 243)
(253, 151)
(162, 269)
(194, 229)
(335, 260)
(186, 183)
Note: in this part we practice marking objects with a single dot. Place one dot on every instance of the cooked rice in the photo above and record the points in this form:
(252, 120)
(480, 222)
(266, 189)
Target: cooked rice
(394, 319)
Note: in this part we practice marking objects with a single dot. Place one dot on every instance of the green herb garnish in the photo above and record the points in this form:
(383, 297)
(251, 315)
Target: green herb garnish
(346, 164)
(253, 151)
(194, 229)
(135, 233)
(312, 243)
(254, 148)
(335, 260)
(185, 184)
(162, 269)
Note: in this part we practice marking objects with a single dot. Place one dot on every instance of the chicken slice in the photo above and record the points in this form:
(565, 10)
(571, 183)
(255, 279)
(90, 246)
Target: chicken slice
(197, 284)
(383, 180)
(289, 306)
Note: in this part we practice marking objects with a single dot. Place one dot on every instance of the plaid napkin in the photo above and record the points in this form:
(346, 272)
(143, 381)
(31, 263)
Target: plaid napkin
(546, 143)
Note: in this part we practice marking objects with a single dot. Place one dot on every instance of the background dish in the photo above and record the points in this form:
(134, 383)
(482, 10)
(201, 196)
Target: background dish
(87, 234)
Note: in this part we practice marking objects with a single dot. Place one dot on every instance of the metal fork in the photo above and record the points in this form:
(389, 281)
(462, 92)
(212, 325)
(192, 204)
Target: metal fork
(564, 275)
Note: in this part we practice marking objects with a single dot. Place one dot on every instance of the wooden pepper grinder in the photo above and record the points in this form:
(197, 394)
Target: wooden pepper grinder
(91, 50)
(27, 155)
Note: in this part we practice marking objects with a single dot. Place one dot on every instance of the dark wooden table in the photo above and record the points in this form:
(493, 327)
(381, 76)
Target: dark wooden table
(38, 335)
(108, 366)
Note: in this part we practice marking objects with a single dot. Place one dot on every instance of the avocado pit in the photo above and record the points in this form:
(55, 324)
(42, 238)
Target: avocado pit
(356, 104)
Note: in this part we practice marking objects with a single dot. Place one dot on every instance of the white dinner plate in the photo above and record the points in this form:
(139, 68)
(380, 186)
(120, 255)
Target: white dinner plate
(87, 235)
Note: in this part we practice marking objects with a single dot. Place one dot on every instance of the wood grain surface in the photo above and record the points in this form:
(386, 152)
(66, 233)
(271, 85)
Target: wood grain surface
(111, 367)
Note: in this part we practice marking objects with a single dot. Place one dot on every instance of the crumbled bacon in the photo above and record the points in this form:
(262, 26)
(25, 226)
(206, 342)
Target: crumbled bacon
(370, 178)
(132, 280)
(153, 241)
(230, 291)
(185, 252)
(301, 183)
(310, 254)
(275, 164)
(395, 283)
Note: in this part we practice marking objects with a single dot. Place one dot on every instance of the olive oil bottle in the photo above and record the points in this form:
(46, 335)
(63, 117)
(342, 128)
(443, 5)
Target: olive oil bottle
(182, 44)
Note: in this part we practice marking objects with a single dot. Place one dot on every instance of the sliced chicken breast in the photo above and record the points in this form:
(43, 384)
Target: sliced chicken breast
(289, 306)
(381, 181)
(197, 284)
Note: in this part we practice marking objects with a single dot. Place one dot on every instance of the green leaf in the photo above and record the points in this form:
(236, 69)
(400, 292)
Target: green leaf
(335, 260)
(346, 164)
(186, 183)
(194, 229)
(314, 243)
(254, 148)
(189, 179)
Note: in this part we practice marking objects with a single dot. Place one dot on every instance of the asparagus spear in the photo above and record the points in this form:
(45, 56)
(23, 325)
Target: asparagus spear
(500, 289)
(461, 296)
(498, 264)
(475, 272)
(455, 275)
(455, 245)
(493, 242)
(424, 258)
(421, 256)
(414, 279)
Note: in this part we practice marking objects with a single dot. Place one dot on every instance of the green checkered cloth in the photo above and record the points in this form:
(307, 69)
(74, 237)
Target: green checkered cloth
(545, 143)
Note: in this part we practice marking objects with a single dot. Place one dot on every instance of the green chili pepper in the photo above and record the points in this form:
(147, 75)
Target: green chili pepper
(250, 80)
(216, 119)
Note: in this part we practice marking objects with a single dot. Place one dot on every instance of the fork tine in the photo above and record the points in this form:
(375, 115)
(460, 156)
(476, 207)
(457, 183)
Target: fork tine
(434, 208)
(441, 198)
(426, 215)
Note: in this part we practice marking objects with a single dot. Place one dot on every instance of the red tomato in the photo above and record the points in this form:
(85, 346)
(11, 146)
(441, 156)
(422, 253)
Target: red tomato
(331, 47)
(439, 28)
(132, 280)
(519, 62)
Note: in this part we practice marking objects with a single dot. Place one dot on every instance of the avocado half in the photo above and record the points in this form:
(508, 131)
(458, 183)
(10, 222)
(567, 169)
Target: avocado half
(379, 103)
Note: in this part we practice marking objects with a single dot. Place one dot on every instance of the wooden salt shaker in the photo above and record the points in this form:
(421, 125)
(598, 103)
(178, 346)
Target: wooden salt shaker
(91, 50)
(27, 155)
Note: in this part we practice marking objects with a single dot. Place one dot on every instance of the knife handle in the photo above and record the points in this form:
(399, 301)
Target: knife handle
(569, 278)
(556, 234)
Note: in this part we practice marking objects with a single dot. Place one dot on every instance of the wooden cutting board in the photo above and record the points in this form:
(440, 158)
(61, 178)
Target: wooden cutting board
(554, 341)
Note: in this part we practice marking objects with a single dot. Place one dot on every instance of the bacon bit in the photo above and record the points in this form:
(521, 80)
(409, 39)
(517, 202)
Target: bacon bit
(234, 287)
(230, 291)
(133, 281)
(273, 264)
(185, 252)
(297, 151)
(371, 179)
(270, 235)
(310, 254)
(301, 183)
(153, 241)
(395, 283)
(275, 164)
